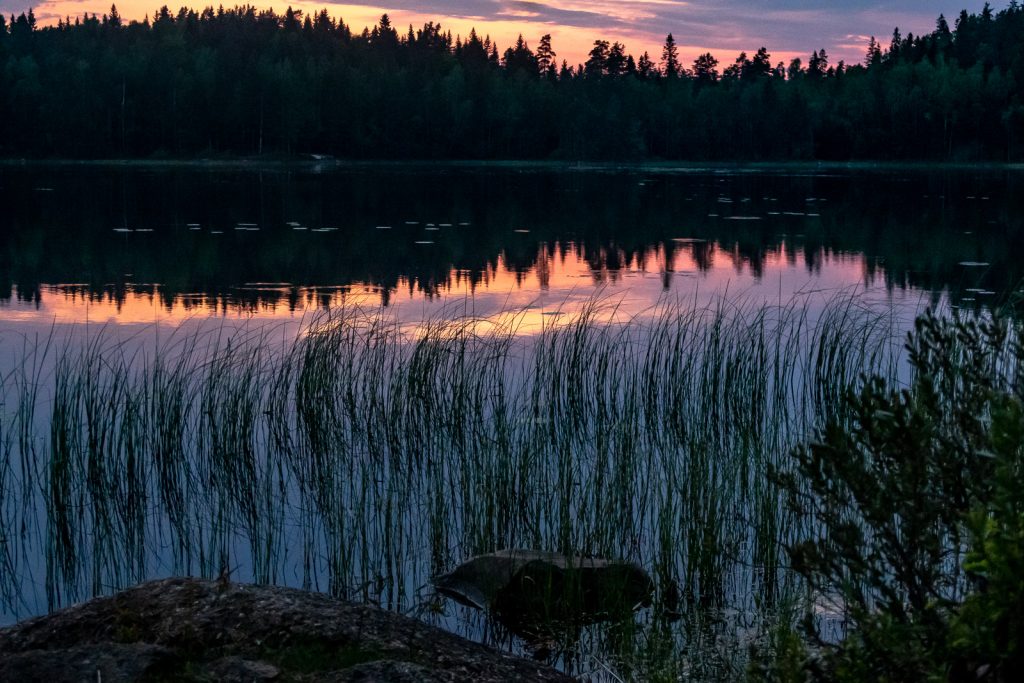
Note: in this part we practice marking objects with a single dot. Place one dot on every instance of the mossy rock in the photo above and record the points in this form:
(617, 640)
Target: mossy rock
(193, 630)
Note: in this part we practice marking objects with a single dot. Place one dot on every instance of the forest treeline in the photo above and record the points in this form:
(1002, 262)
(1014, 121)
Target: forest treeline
(246, 82)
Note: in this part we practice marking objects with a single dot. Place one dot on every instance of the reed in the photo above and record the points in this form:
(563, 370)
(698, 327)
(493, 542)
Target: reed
(361, 457)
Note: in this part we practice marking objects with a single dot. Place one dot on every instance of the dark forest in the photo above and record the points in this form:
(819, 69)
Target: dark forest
(242, 82)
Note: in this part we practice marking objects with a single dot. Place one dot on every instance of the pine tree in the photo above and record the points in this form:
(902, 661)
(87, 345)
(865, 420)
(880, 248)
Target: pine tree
(670, 58)
(760, 65)
(545, 55)
(895, 46)
(597, 62)
(474, 51)
(705, 68)
(616, 63)
(874, 54)
(736, 70)
(644, 67)
(521, 58)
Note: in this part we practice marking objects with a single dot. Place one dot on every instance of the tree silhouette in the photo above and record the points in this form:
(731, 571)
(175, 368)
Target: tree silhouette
(760, 66)
(705, 68)
(244, 82)
(645, 67)
(616, 64)
(546, 56)
(597, 60)
(874, 53)
(521, 58)
(818, 66)
(670, 58)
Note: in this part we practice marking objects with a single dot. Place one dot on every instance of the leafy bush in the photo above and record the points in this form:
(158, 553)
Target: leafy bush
(915, 502)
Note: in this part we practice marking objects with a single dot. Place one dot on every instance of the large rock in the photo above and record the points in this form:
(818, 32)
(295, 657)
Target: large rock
(92, 662)
(535, 592)
(187, 629)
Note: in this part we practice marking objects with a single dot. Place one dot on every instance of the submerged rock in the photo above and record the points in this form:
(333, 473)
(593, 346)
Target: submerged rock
(531, 591)
(477, 581)
(187, 629)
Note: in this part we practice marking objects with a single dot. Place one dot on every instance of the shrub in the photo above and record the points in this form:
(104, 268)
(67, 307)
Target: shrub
(915, 500)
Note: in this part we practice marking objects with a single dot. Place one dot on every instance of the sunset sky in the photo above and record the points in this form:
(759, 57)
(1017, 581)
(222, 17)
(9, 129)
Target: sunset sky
(725, 27)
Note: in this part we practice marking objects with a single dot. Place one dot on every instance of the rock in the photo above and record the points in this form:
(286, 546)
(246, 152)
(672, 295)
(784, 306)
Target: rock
(385, 671)
(478, 580)
(104, 662)
(238, 670)
(527, 589)
(188, 629)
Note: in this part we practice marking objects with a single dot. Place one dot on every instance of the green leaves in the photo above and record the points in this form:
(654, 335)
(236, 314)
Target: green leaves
(988, 629)
(916, 496)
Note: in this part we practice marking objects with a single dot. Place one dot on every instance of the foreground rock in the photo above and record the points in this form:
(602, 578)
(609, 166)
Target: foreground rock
(187, 629)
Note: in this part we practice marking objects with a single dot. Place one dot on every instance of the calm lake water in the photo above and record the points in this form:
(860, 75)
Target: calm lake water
(351, 379)
(160, 246)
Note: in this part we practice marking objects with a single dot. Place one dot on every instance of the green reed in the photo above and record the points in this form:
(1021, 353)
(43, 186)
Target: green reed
(361, 457)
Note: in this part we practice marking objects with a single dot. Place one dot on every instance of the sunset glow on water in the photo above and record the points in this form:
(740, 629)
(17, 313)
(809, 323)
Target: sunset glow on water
(562, 282)
(115, 248)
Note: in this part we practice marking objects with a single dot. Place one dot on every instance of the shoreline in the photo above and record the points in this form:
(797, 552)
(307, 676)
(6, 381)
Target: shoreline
(659, 167)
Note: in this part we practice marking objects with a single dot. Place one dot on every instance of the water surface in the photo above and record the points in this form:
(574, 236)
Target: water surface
(132, 246)
(351, 380)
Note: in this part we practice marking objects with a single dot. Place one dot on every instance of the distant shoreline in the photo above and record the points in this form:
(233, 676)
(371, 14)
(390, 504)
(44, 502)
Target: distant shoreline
(254, 164)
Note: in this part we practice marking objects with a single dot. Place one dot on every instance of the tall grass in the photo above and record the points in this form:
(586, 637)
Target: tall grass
(361, 459)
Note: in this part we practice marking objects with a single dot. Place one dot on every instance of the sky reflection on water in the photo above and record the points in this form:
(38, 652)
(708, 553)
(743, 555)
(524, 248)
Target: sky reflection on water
(560, 283)
(138, 245)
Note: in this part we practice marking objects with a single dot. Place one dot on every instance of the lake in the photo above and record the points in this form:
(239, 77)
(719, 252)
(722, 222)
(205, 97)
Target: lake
(351, 378)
